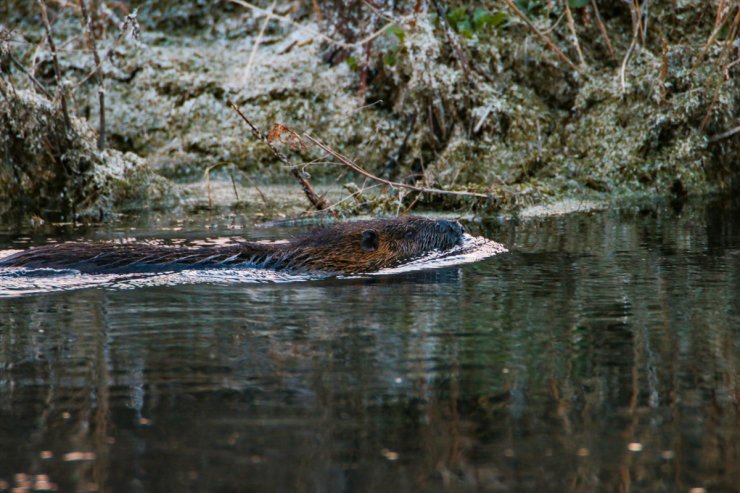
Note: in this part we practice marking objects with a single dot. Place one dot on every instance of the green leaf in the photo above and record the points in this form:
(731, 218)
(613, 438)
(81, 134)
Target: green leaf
(397, 32)
(577, 4)
(352, 63)
(390, 58)
(456, 16)
(464, 28)
(482, 18)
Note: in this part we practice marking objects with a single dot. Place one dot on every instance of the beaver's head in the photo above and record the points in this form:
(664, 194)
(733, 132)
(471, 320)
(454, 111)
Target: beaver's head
(366, 246)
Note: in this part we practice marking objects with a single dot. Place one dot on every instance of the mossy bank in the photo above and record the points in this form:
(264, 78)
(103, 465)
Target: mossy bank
(450, 95)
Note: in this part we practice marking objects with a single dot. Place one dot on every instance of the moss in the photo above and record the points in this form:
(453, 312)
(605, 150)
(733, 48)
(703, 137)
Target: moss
(54, 169)
(512, 121)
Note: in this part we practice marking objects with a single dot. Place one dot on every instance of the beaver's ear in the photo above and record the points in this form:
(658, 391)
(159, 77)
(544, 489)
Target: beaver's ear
(369, 242)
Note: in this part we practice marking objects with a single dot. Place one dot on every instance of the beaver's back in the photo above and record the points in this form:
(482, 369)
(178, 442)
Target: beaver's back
(121, 258)
(352, 247)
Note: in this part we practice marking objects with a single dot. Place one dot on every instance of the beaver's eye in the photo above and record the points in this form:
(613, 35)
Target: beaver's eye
(369, 241)
(409, 235)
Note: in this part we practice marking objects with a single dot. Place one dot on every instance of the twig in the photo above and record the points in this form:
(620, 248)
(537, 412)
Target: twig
(207, 174)
(353, 195)
(57, 71)
(99, 79)
(724, 135)
(233, 185)
(734, 27)
(644, 10)
(396, 157)
(132, 22)
(602, 29)
(722, 14)
(483, 117)
(572, 27)
(3, 91)
(461, 57)
(635, 16)
(5, 42)
(544, 38)
(359, 170)
(28, 74)
(259, 190)
(318, 202)
(258, 42)
(312, 32)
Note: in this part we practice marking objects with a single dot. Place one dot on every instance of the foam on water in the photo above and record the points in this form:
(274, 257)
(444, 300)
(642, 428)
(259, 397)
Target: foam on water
(18, 281)
(472, 249)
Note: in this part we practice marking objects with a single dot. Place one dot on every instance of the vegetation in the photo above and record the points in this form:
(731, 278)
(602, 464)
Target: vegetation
(508, 104)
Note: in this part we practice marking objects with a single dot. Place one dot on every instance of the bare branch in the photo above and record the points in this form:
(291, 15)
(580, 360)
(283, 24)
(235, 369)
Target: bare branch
(393, 184)
(572, 27)
(57, 70)
(602, 28)
(461, 56)
(98, 75)
(132, 22)
(28, 74)
(300, 27)
(257, 43)
(724, 135)
(635, 17)
(317, 201)
(544, 38)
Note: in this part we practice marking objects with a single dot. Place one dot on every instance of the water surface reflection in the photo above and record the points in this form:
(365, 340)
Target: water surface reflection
(601, 354)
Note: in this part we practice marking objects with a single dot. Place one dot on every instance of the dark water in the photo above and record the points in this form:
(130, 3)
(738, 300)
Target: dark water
(601, 354)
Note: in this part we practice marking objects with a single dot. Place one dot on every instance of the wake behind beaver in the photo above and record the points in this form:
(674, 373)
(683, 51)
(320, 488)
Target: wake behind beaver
(346, 248)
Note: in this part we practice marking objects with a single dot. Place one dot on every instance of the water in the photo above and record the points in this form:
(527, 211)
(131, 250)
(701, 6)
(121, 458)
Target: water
(601, 353)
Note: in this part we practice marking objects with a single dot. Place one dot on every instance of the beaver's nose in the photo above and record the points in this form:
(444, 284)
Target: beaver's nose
(453, 227)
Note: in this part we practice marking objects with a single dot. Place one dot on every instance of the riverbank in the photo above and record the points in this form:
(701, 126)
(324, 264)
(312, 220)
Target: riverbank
(472, 101)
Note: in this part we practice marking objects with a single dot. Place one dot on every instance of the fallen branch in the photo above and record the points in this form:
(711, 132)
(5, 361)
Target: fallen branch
(544, 38)
(393, 184)
(320, 203)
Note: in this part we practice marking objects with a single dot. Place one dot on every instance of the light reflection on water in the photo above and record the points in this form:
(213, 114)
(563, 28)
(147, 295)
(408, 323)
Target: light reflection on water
(600, 354)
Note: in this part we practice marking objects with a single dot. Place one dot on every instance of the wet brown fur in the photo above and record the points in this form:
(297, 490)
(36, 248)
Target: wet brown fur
(352, 247)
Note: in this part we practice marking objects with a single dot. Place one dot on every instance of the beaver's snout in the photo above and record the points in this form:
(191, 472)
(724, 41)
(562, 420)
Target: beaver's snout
(453, 230)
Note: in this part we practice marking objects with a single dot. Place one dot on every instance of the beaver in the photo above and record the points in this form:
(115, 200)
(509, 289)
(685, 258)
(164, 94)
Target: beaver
(344, 248)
